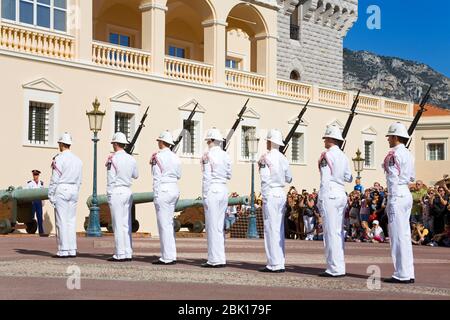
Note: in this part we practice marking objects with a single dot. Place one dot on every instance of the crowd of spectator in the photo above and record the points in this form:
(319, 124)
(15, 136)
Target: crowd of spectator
(366, 218)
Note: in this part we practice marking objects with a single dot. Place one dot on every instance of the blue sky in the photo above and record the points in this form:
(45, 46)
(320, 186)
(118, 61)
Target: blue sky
(416, 30)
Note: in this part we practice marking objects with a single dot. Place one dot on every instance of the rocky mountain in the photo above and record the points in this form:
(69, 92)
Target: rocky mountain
(394, 78)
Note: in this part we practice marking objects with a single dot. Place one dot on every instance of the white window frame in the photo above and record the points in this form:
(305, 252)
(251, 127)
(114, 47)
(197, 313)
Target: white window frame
(135, 38)
(301, 129)
(372, 161)
(186, 45)
(246, 122)
(47, 97)
(34, 24)
(369, 137)
(130, 108)
(198, 117)
(437, 140)
(242, 60)
(242, 138)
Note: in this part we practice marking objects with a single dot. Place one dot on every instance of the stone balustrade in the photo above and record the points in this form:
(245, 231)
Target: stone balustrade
(119, 57)
(36, 41)
(245, 81)
(188, 70)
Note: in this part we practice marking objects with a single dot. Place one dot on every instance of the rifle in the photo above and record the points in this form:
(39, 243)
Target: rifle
(422, 109)
(174, 148)
(289, 137)
(130, 147)
(227, 141)
(350, 120)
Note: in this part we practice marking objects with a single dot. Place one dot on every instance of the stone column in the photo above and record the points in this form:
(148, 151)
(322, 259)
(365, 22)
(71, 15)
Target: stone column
(215, 48)
(154, 32)
(80, 25)
(267, 61)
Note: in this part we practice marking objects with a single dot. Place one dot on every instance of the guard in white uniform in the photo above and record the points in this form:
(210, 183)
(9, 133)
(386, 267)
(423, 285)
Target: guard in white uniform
(275, 173)
(216, 166)
(334, 171)
(166, 169)
(399, 168)
(122, 169)
(63, 195)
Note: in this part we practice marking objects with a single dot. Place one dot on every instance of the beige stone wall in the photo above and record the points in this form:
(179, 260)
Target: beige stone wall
(432, 129)
(81, 85)
(239, 48)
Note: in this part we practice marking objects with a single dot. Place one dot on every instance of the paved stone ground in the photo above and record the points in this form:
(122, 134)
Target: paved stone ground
(27, 271)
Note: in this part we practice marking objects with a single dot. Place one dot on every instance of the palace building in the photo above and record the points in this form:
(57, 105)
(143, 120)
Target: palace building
(57, 56)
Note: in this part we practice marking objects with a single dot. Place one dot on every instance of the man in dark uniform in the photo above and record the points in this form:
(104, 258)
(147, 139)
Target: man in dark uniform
(37, 205)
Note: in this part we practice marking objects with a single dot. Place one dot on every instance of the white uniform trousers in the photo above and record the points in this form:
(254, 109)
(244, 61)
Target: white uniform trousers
(66, 198)
(215, 206)
(399, 211)
(332, 208)
(165, 204)
(309, 227)
(120, 203)
(274, 204)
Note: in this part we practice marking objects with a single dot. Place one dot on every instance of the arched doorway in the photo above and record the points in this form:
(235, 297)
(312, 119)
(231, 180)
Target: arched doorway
(118, 22)
(246, 34)
(185, 34)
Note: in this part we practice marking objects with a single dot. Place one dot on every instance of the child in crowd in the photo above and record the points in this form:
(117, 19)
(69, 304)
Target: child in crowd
(419, 234)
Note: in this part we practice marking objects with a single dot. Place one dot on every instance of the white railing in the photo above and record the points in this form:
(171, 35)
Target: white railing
(370, 104)
(188, 70)
(119, 57)
(396, 108)
(245, 81)
(294, 90)
(344, 99)
(333, 97)
(35, 41)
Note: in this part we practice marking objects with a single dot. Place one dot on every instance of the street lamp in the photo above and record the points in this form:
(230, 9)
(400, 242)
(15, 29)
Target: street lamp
(95, 124)
(358, 162)
(252, 143)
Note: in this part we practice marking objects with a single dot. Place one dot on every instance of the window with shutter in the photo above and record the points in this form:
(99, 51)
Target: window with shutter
(436, 151)
(189, 137)
(123, 123)
(38, 122)
(246, 131)
(369, 154)
(298, 151)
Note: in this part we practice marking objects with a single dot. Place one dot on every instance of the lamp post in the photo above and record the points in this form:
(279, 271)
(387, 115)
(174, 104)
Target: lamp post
(95, 123)
(358, 163)
(252, 142)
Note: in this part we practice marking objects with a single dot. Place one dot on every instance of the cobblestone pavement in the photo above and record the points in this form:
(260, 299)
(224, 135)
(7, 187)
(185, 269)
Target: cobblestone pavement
(27, 271)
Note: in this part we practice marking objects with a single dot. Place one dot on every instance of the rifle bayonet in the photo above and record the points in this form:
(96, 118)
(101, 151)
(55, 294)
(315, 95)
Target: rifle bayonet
(227, 141)
(291, 134)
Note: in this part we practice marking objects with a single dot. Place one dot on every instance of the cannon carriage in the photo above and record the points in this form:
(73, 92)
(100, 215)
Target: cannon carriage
(16, 209)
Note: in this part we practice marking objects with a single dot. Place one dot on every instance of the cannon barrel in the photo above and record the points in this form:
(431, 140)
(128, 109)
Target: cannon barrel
(138, 198)
(147, 197)
(23, 195)
(185, 204)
